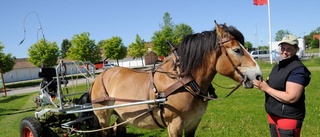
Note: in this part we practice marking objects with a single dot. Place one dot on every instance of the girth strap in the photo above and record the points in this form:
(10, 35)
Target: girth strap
(177, 85)
(160, 105)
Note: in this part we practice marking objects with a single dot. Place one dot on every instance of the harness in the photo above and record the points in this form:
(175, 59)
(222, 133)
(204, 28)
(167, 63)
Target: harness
(186, 82)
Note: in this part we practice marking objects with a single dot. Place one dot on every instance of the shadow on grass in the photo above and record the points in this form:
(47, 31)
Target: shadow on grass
(10, 98)
(16, 111)
(134, 135)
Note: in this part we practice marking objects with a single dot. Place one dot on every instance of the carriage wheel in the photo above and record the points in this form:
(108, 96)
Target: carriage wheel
(30, 127)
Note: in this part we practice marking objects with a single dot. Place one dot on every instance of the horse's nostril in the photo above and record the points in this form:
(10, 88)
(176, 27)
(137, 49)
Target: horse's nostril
(259, 77)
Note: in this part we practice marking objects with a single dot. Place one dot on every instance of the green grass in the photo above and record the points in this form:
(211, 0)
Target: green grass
(240, 115)
(313, 50)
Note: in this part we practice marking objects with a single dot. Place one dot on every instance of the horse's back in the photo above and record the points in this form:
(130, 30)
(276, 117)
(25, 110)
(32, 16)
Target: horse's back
(121, 82)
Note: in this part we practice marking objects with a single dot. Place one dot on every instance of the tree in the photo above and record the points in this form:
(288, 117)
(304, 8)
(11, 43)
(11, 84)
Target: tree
(311, 42)
(247, 45)
(263, 47)
(171, 32)
(180, 31)
(65, 45)
(44, 53)
(7, 61)
(84, 49)
(138, 49)
(114, 49)
(100, 44)
(280, 34)
(167, 21)
(159, 41)
(314, 43)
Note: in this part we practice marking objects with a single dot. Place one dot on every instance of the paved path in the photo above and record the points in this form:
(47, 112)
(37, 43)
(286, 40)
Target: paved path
(23, 90)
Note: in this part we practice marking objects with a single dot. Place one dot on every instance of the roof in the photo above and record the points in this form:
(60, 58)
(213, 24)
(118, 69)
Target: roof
(23, 63)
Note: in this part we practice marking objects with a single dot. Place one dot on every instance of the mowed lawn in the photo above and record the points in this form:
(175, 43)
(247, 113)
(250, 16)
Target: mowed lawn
(240, 115)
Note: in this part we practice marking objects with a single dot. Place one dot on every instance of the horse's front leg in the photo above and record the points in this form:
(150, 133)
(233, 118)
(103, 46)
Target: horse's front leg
(190, 130)
(175, 128)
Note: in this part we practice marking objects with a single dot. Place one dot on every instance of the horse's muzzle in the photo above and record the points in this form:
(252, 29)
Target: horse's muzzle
(247, 83)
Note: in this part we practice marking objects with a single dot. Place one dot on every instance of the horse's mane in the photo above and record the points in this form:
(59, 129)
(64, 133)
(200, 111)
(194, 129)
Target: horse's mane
(193, 47)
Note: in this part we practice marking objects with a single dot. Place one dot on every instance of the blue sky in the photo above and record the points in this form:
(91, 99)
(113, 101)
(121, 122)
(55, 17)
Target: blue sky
(62, 19)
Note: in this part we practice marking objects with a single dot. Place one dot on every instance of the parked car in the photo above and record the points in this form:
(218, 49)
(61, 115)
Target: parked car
(260, 54)
(276, 56)
(107, 66)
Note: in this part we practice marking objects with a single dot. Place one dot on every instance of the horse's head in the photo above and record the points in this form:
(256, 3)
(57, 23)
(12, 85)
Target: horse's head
(233, 60)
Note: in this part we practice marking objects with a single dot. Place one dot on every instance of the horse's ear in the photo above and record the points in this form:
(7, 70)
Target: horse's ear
(224, 25)
(220, 32)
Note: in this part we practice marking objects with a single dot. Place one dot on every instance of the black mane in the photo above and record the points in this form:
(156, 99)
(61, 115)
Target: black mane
(193, 47)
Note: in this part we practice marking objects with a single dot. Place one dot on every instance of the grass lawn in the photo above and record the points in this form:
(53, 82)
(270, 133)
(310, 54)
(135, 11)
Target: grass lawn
(240, 115)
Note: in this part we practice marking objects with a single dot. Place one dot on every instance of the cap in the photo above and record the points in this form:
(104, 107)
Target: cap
(290, 39)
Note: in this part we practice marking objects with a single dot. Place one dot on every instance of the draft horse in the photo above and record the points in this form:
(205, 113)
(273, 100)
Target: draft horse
(183, 79)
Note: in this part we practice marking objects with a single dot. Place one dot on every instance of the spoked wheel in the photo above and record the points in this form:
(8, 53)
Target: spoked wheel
(30, 127)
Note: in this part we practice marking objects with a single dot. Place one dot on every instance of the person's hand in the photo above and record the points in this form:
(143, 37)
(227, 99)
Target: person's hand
(262, 85)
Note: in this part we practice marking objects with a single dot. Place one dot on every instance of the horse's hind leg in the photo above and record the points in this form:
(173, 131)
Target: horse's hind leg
(104, 118)
(120, 130)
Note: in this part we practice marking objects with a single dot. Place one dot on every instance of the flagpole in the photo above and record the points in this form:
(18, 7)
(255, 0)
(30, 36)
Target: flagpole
(270, 38)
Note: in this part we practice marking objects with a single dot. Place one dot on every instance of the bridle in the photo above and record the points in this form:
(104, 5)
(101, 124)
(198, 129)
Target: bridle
(222, 47)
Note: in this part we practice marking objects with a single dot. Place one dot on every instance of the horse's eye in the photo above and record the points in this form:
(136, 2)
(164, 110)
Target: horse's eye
(237, 50)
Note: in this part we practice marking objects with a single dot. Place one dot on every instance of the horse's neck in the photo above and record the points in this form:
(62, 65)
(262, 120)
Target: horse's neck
(202, 75)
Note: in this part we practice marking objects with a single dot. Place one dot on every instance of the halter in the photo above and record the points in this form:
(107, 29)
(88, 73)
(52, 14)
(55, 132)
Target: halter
(222, 47)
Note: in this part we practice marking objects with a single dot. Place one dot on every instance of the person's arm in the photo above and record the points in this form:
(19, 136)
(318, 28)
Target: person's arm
(291, 95)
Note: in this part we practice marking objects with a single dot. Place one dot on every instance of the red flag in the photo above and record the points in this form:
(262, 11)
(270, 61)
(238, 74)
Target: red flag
(260, 2)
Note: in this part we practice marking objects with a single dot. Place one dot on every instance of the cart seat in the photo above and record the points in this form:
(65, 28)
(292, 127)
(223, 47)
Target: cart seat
(48, 75)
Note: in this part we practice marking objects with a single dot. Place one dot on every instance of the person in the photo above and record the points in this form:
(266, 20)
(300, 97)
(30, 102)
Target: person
(284, 91)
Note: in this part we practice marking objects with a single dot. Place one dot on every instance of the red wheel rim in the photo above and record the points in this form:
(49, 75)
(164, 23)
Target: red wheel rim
(27, 132)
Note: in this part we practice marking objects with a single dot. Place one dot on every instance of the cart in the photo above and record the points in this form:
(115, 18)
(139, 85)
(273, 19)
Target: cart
(62, 112)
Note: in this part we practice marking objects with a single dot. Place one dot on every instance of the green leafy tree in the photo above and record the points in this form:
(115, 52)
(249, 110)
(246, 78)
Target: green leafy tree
(159, 41)
(309, 39)
(100, 45)
(167, 21)
(44, 53)
(280, 34)
(7, 61)
(248, 45)
(263, 47)
(114, 49)
(314, 43)
(84, 49)
(180, 31)
(138, 49)
(171, 32)
(65, 45)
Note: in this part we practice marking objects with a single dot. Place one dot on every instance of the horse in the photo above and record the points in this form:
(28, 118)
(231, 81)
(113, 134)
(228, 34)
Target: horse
(182, 79)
